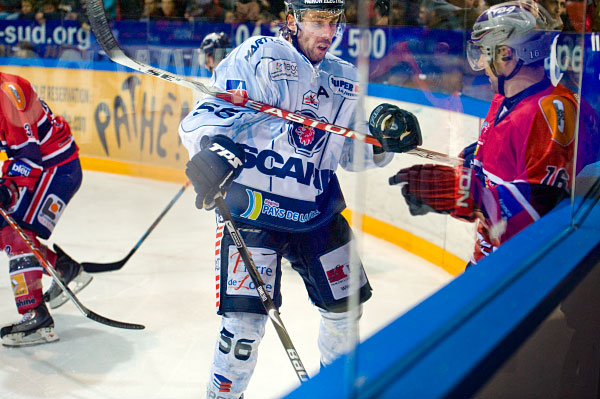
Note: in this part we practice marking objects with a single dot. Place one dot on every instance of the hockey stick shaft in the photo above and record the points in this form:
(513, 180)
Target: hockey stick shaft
(100, 27)
(91, 267)
(266, 300)
(52, 272)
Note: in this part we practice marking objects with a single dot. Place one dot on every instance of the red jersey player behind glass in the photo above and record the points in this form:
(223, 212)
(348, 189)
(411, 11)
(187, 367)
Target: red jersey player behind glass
(39, 178)
(522, 163)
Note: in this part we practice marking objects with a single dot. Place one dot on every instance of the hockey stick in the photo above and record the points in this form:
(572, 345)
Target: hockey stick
(91, 267)
(88, 313)
(104, 36)
(266, 300)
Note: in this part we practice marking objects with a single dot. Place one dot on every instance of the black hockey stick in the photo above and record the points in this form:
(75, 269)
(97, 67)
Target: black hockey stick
(266, 300)
(100, 27)
(44, 262)
(91, 267)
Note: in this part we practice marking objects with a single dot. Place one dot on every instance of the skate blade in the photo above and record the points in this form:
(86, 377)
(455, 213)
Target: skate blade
(76, 285)
(40, 336)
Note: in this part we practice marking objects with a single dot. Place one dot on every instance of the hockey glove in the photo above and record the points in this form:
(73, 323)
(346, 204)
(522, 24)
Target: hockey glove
(396, 129)
(214, 168)
(9, 193)
(439, 189)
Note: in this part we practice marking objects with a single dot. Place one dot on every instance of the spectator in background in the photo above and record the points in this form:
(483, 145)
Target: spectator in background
(49, 11)
(247, 10)
(556, 8)
(151, 11)
(70, 8)
(196, 9)
(229, 17)
(27, 10)
(398, 10)
(131, 9)
(381, 11)
(24, 49)
(9, 9)
(351, 13)
(216, 12)
(171, 9)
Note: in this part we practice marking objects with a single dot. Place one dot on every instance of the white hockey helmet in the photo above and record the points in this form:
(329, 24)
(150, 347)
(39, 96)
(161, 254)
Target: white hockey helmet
(327, 7)
(521, 25)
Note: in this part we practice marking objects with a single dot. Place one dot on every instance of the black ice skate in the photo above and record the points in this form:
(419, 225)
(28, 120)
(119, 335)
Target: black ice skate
(71, 273)
(36, 327)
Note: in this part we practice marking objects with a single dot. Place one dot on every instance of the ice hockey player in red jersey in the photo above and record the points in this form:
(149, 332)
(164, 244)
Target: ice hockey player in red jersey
(522, 163)
(39, 178)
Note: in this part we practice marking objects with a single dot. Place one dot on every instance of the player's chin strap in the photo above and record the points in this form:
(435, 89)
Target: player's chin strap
(293, 37)
(502, 79)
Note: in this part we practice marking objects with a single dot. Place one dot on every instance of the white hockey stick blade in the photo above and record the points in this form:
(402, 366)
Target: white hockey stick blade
(104, 35)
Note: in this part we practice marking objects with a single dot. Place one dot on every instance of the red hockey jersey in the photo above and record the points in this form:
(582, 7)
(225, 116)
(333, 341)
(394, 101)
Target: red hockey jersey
(524, 158)
(32, 137)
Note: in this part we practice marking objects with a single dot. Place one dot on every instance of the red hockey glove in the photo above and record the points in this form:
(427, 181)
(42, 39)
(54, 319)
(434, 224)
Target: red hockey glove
(437, 188)
(9, 193)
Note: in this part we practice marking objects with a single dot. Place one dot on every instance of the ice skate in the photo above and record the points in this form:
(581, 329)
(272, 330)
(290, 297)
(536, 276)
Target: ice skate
(36, 327)
(71, 273)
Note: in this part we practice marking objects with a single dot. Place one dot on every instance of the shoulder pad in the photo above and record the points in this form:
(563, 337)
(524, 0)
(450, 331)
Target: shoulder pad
(560, 114)
(15, 94)
(256, 45)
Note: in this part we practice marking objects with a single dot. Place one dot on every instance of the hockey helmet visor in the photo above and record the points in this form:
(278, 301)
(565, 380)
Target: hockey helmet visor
(319, 17)
(521, 25)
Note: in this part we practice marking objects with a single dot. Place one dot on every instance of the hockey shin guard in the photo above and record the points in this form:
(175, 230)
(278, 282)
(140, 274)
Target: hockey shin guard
(235, 354)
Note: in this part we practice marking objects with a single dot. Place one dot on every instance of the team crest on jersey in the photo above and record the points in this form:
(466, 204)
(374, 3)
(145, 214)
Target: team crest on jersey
(311, 99)
(237, 87)
(306, 140)
(15, 94)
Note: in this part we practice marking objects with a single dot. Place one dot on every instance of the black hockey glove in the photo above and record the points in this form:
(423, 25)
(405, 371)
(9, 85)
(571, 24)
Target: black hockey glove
(396, 129)
(9, 193)
(214, 168)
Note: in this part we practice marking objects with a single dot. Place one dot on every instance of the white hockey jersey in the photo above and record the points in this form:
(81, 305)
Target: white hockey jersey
(288, 182)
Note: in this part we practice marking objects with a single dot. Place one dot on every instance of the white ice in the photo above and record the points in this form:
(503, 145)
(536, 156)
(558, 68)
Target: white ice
(168, 285)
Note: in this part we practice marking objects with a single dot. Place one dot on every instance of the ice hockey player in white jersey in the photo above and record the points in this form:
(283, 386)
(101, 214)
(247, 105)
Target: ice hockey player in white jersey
(280, 183)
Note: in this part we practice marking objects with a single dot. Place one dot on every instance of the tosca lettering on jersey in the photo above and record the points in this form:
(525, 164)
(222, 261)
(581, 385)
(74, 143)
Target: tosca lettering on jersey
(271, 163)
(344, 87)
